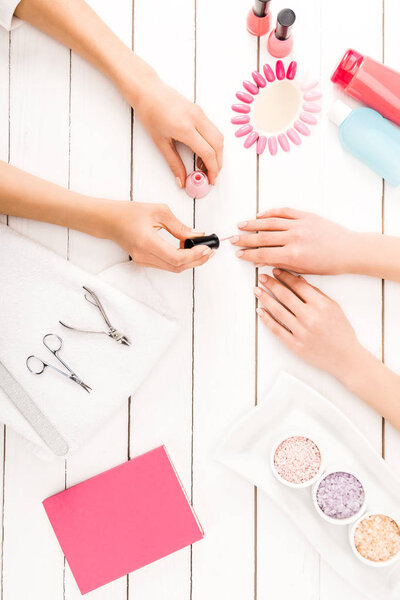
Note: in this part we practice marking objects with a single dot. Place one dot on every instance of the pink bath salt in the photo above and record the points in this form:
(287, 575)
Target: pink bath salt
(377, 538)
(297, 459)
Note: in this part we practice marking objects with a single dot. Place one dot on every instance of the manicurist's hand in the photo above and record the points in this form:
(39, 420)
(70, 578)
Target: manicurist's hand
(297, 241)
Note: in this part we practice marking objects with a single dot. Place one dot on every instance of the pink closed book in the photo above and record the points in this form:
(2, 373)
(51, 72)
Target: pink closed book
(123, 519)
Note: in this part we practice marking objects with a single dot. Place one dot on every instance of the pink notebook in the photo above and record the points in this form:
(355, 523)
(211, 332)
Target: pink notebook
(123, 519)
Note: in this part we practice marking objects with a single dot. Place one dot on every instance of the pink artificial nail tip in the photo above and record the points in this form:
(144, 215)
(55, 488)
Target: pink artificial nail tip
(241, 108)
(240, 120)
(283, 142)
(293, 136)
(250, 140)
(312, 107)
(259, 79)
(313, 95)
(268, 72)
(250, 87)
(279, 70)
(261, 143)
(291, 70)
(301, 128)
(309, 85)
(244, 97)
(244, 130)
(308, 118)
(272, 145)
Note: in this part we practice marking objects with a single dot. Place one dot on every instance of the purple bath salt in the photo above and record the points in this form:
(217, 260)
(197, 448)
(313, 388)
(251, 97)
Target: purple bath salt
(340, 495)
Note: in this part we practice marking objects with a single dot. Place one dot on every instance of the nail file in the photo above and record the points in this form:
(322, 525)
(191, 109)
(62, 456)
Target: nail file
(28, 409)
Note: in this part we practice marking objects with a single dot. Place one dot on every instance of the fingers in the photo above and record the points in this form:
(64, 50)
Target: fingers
(277, 329)
(265, 239)
(285, 213)
(206, 152)
(271, 224)
(277, 310)
(174, 226)
(213, 136)
(178, 259)
(170, 153)
(263, 256)
(299, 285)
(282, 293)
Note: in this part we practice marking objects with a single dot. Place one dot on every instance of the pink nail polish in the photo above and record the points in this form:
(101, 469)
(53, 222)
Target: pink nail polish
(312, 107)
(240, 253)
(244, 130)
(301, 128)
(257, 292)
(242, 224)
(268, 72)
(234, 239)
(240, 120)
(259, 79)
(260, 312)
(280, 41)
(272, 145)
(293, 136)
(250, 87)
(178, 182)
(241, 108)
(251, 139)
(259, 18)
(244, 97)
(197, 184)
(279, 70)
(261, 143)
(291, 70)
(283, 142)
(308, 118)
(309, 85)
(313, 95)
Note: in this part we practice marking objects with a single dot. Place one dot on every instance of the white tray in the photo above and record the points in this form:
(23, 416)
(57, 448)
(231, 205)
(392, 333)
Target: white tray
(293, 406)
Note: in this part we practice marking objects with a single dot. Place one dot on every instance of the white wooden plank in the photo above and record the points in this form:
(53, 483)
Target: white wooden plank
(161, 409)
(39, 144)
(322, 179)
(224, 326)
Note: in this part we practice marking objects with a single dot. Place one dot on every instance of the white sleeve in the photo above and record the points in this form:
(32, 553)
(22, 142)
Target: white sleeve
(7, 19)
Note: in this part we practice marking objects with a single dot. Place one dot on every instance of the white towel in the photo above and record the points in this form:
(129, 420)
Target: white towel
(37, 289)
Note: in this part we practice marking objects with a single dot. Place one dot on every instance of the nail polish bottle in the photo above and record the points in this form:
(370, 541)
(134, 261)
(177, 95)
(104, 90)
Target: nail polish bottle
(197, 185)
(280, 41)
(212, 241)
(259, 18)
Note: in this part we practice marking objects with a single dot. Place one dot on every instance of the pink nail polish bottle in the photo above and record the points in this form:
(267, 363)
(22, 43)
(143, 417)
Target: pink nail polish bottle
(280, 41)
(259, 18)
(197, 185)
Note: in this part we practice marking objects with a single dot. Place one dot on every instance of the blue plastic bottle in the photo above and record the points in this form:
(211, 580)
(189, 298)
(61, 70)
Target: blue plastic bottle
(371, 138)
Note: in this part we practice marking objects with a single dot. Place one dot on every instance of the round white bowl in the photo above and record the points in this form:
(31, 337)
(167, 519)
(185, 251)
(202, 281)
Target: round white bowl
(321, 513)
(366, 561)
(289, 483)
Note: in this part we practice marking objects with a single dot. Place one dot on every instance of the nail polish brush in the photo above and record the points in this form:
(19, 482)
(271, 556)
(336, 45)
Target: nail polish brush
(212, 241)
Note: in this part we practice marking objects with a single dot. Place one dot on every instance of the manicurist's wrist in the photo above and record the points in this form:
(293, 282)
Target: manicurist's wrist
(365, 250)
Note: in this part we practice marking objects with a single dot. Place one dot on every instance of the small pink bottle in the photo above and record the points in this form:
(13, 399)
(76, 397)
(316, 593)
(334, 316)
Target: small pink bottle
(280, 41)
(370, 82)
(197, 185)
(259, 18)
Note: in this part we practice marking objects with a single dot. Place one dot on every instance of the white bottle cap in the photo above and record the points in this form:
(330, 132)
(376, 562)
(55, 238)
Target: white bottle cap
(338, 112)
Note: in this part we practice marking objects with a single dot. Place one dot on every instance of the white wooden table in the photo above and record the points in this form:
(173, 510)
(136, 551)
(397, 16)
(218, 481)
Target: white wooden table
(62, 120)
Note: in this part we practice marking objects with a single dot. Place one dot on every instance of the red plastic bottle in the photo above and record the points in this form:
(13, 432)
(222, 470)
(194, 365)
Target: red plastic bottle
(371, 82)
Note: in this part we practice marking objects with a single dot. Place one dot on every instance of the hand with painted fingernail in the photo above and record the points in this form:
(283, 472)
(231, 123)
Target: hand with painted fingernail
(307, 321)
(297, 241)
(135, 227)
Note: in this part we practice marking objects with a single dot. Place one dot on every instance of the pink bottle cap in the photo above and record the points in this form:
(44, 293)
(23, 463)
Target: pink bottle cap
(197, 185)
(347, 68)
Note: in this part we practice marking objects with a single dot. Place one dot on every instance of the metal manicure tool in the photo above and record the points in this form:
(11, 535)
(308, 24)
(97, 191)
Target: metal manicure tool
(111, 332)
(53, 343)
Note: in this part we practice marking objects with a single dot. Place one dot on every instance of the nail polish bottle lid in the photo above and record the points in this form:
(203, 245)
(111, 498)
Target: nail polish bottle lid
(197, 185)
(338, 112)
(284, 23)
(261, 7)
(212, 241)
(347, 68)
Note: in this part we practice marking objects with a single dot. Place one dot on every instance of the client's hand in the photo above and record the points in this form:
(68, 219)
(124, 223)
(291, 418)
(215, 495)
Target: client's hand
(312, 325)
(297, 241)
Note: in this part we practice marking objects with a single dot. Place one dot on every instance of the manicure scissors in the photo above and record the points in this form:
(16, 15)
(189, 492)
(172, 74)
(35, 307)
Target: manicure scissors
(54, 344)
(111, 332)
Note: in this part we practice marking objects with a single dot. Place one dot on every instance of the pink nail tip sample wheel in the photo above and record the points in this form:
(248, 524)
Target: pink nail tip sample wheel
(309, 85)
(241, 108)
(259, 79)
(280, 70)
(244, 97)
(293, 136)
(251, 139)
(272, 145)
(283, 142)
(240, 119)
(269, 74)
(261, 143)
(197, 185)
(250, 87)
(312, 95)
(308, 118)
(312, 107)
(244, 130)
(291, 70)
(301, 128)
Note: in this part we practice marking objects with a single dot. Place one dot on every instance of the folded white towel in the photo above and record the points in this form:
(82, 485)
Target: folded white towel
(37, 289)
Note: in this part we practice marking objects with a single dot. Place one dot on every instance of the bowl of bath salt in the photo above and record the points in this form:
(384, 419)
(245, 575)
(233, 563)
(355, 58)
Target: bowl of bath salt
(375, 539)
(296, 460)
(339, 497)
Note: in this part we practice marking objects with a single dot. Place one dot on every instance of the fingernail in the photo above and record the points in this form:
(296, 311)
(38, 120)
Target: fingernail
(263, 277)
(206, 251)
(277, 272)
(242, 224)
(261, 214)
(257, 292)
(234, 239)
(196, 231)
(212, 254)
(240, 253)
(259, 312)
(178, 182)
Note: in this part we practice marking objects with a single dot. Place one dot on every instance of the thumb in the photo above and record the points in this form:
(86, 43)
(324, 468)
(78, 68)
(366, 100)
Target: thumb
(174, 226)
(170, 153)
